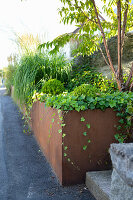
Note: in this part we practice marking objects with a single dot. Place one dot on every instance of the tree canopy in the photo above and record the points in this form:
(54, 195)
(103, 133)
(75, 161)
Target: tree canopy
(94, 26)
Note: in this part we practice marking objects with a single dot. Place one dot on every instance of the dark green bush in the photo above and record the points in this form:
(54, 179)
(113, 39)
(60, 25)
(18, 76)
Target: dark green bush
(92, 78)
(53, 87)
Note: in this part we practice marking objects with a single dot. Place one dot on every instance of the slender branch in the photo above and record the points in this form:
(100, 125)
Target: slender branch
(101, 52)
(129, 77)
(103, 56)
(83, 13)
(124, 25)
(87, 16)
(119, 72)
(104, 40)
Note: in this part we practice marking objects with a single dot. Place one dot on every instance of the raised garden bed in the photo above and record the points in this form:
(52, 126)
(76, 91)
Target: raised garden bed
(72, 148)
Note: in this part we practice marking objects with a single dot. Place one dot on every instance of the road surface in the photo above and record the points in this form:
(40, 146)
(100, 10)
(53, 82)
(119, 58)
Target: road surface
(24, 172)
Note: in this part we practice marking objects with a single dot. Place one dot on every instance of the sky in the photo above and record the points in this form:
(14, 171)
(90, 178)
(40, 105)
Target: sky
(28, 16)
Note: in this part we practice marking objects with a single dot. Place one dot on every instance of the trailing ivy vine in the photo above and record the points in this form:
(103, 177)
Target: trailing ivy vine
(121, 102)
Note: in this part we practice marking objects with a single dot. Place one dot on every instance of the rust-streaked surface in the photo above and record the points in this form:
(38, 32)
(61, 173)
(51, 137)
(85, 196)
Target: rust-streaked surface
(95, 157)
(46, 133)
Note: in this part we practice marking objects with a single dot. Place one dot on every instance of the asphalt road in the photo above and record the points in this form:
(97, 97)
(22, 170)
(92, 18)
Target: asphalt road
(24, 172)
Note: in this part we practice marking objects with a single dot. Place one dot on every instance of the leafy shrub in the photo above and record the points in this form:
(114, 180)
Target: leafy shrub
(86, 89)
(94, 78)
(53, 87)
(9, 77)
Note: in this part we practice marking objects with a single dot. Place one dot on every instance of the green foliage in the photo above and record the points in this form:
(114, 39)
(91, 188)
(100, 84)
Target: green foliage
(88, 37)
(85, 133)
(82, 119)
(9, 77)
(53, 87)
(67, 101)
(119, 101)
(57, 67)
(65, 148)
(28, 75)
(36, 68)
(84, 147)
(92, 78)
(88, 126)
(86, 89)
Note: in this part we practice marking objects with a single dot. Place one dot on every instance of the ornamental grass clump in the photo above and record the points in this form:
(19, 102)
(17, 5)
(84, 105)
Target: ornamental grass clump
(36, 68)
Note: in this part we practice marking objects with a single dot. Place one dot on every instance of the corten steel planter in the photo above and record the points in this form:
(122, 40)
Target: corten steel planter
(95, 157)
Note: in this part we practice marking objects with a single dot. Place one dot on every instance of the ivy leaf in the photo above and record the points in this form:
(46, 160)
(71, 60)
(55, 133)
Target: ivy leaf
(92, 106)
(84, 147)
(52, 120)
(63, 135)
(121, 121)
(119, 127)
(85, 133)
(88, 125)
(63, 125)
(82, 119)
(112, 104)
(60, 131)
(50, 125)
(89, 141)
(65, 148)
(65, 154)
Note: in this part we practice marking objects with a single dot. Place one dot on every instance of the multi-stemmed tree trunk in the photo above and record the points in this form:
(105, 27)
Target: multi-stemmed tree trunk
(121, 34)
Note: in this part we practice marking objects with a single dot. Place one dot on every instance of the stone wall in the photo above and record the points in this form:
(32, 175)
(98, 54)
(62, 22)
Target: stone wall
(96, 60)
(122, 176)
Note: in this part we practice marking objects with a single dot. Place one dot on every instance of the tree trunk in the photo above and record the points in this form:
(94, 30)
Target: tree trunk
(119, 71)
(119, 74)
(124, 26)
